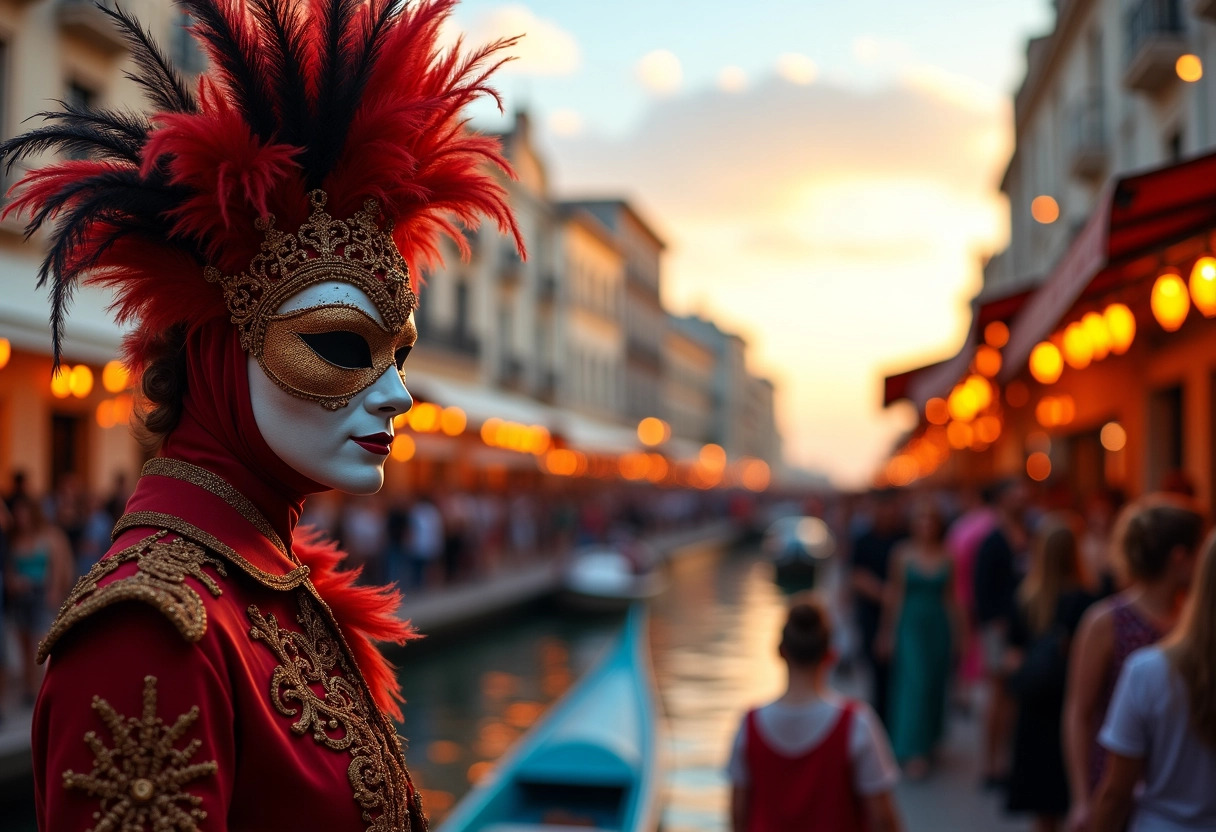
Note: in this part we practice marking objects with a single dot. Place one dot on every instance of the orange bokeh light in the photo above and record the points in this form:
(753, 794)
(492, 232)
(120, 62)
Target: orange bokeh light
(987, 361)
(937, 412)
(1121, 324)
(1038, 466)
(1203, 285)
(653, 431)
(1044, 209)
(1170, 301)
(996, 334)
(1046, 363)
(1189, 68)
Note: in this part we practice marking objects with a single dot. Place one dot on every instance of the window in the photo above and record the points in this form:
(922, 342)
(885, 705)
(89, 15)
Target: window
(1173, 146)
(78, 95)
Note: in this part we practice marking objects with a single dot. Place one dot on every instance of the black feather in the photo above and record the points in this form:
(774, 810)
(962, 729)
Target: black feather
(334, 69)
(285, 59)
(163, 84)
(95, 134)
(238, 58)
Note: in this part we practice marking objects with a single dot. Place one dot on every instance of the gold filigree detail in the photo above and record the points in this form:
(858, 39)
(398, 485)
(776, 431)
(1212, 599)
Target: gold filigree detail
(161, 520)
(160, 580)
(355, 250)
(316, 683)
(140, 776)
(217, 485)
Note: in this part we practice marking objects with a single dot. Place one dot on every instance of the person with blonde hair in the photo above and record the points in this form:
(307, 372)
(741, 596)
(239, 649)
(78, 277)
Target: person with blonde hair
(812, 760)
(1161, 727)
(1050, 603)
(1156, 538)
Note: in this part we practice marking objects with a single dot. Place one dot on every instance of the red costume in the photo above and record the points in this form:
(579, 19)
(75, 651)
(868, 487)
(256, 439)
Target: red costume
(216, 669)
(812, 792)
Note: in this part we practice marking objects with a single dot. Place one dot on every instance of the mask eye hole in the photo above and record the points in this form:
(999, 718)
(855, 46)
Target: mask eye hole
(341, 348)
(400, 355)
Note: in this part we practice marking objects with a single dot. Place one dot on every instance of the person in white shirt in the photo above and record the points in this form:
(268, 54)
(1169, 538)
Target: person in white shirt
(1160, 730)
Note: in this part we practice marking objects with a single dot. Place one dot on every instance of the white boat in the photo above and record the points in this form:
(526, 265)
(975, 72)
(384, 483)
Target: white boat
(611, 578)
(592, 763)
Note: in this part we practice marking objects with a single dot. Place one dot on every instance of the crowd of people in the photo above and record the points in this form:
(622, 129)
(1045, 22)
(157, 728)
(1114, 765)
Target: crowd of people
(1089, 641)
(420, 541)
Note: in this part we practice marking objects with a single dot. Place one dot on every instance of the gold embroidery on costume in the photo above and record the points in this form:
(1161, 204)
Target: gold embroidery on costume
(161, 520)
(336, 709)
(139, 777)
(217, 485)
(163, 567)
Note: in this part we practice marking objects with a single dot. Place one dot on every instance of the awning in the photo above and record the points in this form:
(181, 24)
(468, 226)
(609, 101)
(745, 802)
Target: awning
(480, 403)
(1136, 216)
(923, 383)
(593, 435)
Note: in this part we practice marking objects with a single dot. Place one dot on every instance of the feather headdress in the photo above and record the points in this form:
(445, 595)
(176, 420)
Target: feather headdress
(355, 98)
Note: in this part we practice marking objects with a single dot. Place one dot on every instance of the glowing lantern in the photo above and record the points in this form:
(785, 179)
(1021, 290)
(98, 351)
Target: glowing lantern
(61, 381)
(659, 467)
(123, 405)
(635, 466)
(1113, 437)
(1044, 209)
(1121, 324)
(756, 475)
(987, 429)
(403, 448)
(996, 334)
(1046, 363)
(653, 431)
(1170, 301)
(424, 417)
(937, 412)
(1189, 68)
(987, 361)
(981, 389)
(452, 421)
(114, 377)
(714, 456)
(489, 431)
(80, 381)
(1203, 285)
(959, 435)
(963, 403)
(1099, 336)
(562, 462)
(6, 352)
(105, 414)
(1078, 352)
(1038, 466)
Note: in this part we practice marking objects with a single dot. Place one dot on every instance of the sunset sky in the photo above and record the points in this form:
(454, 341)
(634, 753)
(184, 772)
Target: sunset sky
(825, 173)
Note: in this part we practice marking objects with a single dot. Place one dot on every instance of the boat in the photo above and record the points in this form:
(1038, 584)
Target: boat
(611, 578)
(592, 763)
(797, 546)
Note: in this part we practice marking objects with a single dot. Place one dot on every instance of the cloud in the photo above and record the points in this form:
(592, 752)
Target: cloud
(796, 68)
(565, 123)
(839, 230)
(544, 49)
(660, 72)
(732, 79)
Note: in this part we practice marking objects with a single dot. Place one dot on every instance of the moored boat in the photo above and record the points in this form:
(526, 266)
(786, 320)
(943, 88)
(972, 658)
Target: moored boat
(592, 763)
(611, 578)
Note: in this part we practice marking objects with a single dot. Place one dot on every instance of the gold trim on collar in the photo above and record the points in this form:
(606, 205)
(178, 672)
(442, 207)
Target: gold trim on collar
(220, 487)
(160, 520)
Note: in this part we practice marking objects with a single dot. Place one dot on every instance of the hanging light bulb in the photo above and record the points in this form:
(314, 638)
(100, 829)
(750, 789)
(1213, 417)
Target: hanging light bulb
(1078, 351)
(1170, 301)
(1203, 285)
(1121, 324)
(1046, 363)
(1099, 335)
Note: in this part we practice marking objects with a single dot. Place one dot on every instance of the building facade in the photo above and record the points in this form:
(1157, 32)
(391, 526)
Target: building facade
(1092, 354)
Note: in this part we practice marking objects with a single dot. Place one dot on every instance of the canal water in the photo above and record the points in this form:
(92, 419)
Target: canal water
(713, 642)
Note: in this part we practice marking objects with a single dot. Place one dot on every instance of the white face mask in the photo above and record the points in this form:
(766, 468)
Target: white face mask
(343, 448)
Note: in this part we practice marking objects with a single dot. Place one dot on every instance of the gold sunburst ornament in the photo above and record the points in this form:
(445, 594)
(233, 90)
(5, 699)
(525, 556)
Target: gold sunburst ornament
(140, 777)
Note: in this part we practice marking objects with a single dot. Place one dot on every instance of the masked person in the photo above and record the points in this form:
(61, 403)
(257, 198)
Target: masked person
(216, 668)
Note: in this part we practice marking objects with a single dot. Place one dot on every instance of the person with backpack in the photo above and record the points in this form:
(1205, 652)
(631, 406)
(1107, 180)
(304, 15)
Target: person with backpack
(1050, 603)
(812, 760)
(1160, 731)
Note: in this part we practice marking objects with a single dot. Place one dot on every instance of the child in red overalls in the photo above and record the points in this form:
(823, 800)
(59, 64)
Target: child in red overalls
(812, 761)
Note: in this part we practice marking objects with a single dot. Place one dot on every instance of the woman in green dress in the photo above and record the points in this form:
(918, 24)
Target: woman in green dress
(921, 621)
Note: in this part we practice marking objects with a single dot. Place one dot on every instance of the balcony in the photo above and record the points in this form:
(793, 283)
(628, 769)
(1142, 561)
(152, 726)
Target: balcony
(1153, 41)
(1087, 142)
(84, 20)
(1204, 9)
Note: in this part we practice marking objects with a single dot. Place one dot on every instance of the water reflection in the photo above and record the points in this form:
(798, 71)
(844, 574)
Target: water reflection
(713, 637)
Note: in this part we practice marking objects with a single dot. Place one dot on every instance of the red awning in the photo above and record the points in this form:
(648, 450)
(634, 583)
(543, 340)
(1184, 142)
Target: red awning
(1136, 215)
(923, 383)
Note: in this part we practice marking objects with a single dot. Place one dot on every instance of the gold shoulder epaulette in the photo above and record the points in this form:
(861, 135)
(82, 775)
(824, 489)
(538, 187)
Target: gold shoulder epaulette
(159, 580)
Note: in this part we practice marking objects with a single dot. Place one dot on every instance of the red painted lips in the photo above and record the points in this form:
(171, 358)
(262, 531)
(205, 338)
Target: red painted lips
(376, 443)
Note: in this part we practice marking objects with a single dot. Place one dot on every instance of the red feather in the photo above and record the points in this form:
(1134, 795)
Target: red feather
(366, 614)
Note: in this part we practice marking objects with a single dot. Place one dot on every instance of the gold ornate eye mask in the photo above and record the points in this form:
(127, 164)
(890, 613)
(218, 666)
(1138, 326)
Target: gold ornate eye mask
(330, 353)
